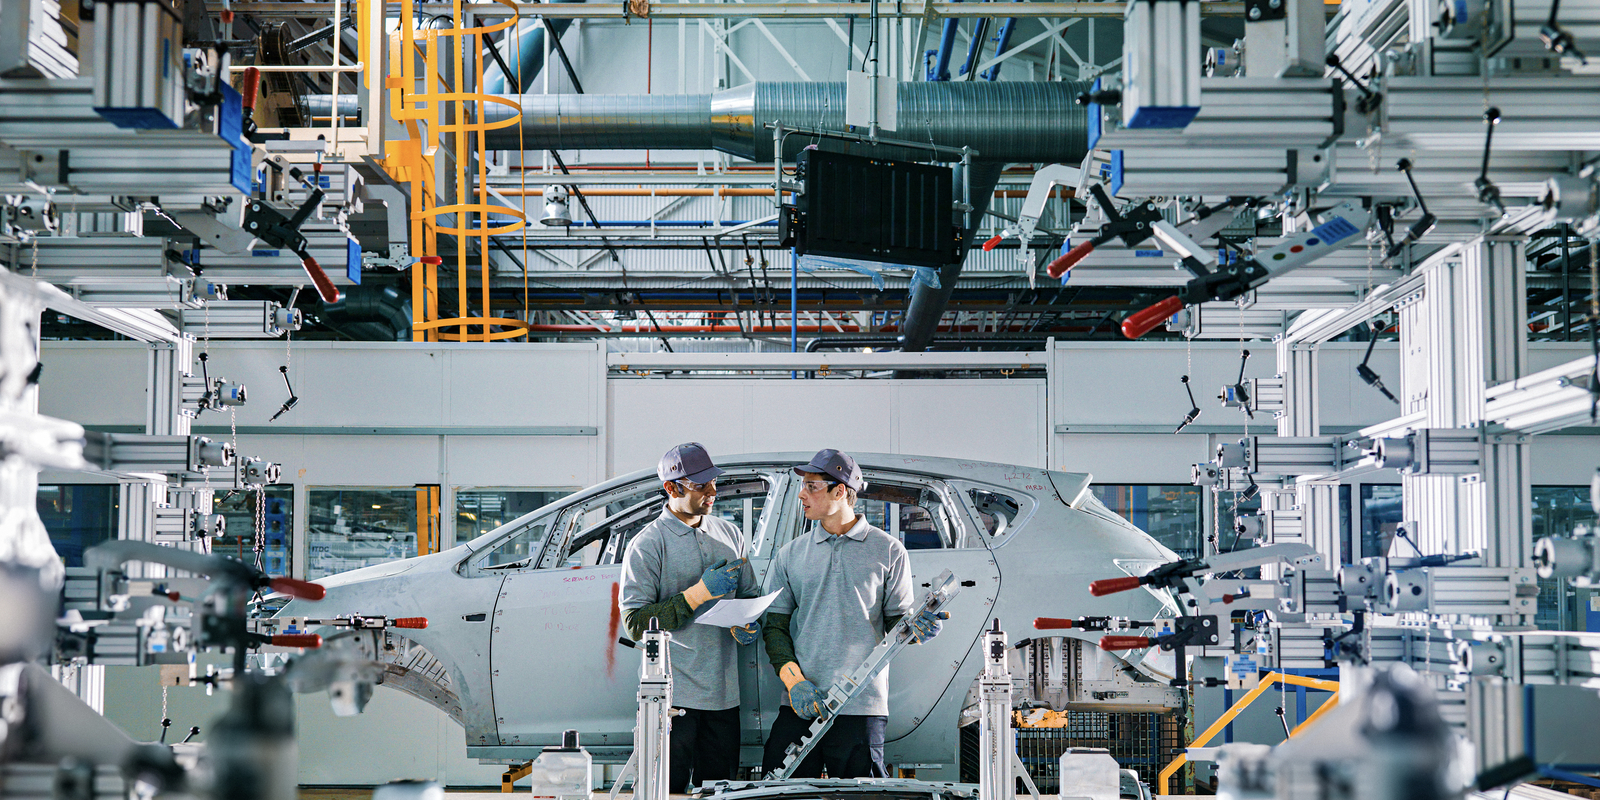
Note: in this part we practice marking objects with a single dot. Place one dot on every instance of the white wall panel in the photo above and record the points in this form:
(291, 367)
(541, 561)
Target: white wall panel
(1136, 383)
(1000, 421)
(1131, 458)
(101, 382)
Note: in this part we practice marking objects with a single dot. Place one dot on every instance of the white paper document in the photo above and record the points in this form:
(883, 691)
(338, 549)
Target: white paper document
(731, 611)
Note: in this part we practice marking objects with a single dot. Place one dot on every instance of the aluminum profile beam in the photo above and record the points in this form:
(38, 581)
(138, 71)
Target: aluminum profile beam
(1266, 112)
(784, 362)
(1444, 177)
(1545, 113)
(1165, 171)
(1544, 401)
(235, 319)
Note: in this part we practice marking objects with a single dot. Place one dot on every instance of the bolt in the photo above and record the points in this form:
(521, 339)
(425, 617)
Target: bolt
(1255, 13)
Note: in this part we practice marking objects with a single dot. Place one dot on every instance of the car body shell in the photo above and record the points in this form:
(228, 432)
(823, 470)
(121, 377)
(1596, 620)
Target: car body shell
(518, 652)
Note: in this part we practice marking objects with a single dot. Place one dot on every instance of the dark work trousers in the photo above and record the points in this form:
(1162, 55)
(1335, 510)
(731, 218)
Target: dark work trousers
(852, 748)
(704, 747)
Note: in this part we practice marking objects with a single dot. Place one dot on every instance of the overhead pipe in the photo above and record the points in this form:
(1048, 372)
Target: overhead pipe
(940, 71)
(1004, 121)
(980, 31)
(1001, 41)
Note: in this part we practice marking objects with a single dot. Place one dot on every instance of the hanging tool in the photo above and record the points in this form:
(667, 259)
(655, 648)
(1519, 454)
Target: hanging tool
(1238, 395)
(847, 687)
(1488, 192)
(1194, 408)
(1423, 225)
(1339, 227)
(287, 404)
(1367, 373)
(1557, 39)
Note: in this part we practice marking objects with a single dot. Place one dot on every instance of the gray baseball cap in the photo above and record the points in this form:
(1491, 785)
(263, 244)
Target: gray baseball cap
(837, 465)
(688, 461)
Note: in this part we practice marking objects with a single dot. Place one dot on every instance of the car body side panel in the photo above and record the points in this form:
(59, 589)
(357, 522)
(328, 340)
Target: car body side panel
(556, 660)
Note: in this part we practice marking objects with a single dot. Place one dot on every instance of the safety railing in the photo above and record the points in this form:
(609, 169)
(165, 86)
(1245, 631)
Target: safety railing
(1237, 708)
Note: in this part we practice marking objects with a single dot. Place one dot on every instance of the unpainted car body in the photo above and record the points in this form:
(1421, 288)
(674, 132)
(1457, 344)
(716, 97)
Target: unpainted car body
(522, 640)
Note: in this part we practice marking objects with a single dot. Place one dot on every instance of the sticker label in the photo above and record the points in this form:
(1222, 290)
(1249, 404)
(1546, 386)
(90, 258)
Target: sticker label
(1334, 230)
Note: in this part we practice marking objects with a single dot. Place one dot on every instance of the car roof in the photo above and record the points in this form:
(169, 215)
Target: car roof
(1030, 480)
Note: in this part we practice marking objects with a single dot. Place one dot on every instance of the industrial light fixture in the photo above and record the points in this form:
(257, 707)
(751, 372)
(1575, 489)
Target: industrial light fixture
(555, 207)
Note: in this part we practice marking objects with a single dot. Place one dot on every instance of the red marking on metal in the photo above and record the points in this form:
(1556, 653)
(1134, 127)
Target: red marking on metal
(611, 630)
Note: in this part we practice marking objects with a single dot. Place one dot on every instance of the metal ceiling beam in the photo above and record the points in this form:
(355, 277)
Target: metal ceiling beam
(783, 362)
(792, 10)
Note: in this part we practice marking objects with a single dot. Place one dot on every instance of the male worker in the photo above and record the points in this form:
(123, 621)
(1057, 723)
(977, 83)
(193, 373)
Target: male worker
(846, 584)
(677, 566)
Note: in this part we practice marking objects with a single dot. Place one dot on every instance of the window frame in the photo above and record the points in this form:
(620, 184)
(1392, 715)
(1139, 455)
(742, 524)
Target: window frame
(1027, 507)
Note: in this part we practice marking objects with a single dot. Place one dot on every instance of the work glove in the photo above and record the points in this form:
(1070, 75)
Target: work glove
(926, 625)
(722, 578)
(746, 634)
(719, 579)
(806, 699)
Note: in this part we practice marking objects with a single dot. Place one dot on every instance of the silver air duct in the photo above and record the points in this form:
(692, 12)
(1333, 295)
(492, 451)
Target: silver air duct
(1005, 121)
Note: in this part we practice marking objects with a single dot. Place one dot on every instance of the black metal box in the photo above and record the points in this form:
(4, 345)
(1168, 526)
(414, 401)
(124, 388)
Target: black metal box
(870, 209)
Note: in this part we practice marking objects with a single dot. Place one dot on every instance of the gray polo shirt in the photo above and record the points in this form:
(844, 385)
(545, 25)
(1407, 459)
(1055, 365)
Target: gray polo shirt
(667, 557)
(840, 589)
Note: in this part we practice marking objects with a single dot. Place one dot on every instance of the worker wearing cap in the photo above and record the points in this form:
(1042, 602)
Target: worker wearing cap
(675, 569)
(845, 585)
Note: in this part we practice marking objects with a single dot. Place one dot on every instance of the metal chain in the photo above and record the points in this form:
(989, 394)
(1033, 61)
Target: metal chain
(34, 273)
(163, 701)
(260, 544)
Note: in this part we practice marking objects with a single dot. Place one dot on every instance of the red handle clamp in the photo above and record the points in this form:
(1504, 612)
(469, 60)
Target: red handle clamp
(296, 640)
(305, 590)
(1102, 588)
(250, 87)
(1141, 322)
(1126, 642)
(411, 622)
(1060, 266)
(1052, 623)
(325, 287)
(992, 243)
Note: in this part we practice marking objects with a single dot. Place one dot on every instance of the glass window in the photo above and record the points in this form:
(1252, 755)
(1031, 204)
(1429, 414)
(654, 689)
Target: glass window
(1557, 510)
(479, 511)
(1381, 515)
(520, 550)
(352, 528)
(78, 517)
(238, 512)
(1172, 513)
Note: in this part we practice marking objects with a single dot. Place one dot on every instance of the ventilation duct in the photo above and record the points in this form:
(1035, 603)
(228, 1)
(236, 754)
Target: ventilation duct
(1009, 121)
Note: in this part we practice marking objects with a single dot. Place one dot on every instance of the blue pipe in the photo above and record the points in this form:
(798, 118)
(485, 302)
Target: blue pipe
(940, 71)
(975, 46)
(1001, 41)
